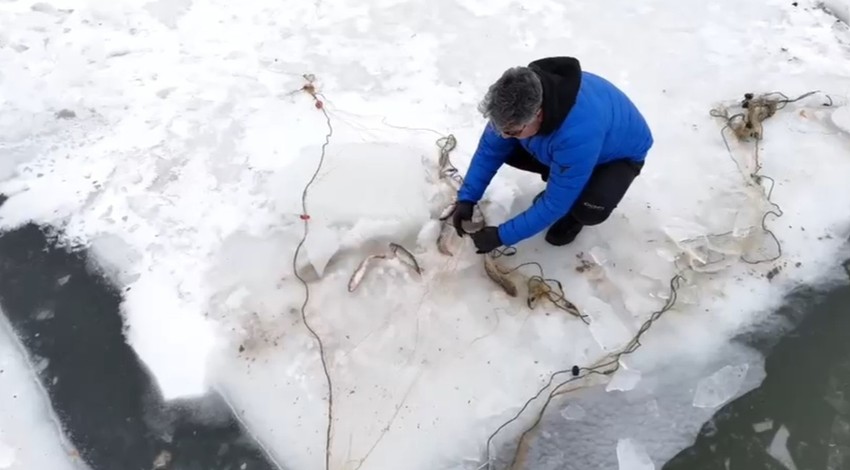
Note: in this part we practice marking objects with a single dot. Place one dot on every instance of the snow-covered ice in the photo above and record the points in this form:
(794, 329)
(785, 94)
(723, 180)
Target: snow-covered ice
(7, 455)
(173, 140)
(29, 432)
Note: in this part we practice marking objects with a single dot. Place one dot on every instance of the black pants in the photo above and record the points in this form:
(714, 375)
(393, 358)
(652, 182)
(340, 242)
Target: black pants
(606, 187)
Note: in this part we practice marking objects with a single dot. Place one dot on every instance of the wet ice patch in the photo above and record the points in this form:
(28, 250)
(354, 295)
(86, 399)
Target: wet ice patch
(720, 386)
(573, 412)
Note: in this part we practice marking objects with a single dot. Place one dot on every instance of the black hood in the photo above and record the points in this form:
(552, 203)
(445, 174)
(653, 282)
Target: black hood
(561, 77)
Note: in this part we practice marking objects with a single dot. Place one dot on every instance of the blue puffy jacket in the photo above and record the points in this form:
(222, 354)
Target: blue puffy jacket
(587, 121)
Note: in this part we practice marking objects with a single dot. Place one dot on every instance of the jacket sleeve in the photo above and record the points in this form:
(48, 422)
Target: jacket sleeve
(491, 153)
(573, 163)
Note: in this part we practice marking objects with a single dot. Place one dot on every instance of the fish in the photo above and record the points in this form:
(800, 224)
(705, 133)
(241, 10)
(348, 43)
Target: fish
(362, 269)
(497, 275)
(448, 172)
(396, 251)
(447, 230)
(445, 238)
(405, 257)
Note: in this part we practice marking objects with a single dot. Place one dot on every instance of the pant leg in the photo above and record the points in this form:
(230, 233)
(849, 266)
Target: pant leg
(522, 160)
(604, 191)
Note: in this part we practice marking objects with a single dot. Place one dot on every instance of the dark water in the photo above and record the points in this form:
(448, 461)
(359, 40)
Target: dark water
(806, 392)
(108, 405)
(113, 415)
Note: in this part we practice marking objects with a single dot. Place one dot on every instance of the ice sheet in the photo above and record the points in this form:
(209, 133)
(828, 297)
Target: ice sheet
(186, 143)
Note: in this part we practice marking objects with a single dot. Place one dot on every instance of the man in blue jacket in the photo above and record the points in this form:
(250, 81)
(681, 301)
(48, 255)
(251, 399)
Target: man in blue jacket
(581, 134)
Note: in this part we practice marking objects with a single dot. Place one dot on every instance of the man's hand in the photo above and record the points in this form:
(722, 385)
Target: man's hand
(462, 213)
(486, 239)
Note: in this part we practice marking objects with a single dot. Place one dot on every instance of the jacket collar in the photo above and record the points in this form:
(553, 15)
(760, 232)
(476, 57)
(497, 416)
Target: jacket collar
(561, 78)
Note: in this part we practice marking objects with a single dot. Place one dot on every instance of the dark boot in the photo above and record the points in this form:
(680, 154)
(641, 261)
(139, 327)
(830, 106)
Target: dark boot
(564, 231)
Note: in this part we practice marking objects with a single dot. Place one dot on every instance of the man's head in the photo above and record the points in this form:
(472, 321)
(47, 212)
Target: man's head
(513, 103)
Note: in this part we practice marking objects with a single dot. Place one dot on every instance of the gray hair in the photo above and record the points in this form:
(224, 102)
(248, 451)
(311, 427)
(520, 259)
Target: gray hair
(513, 100)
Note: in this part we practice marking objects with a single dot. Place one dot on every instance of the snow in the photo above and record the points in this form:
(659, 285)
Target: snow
(29, 434)
(183, 166)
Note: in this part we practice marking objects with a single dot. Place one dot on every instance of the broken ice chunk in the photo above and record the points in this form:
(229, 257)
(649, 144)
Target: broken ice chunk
(573, 413)
(632, 456)
(763, 426)
(779, 449)
(624, 380)
(716, 389)
(605, 326)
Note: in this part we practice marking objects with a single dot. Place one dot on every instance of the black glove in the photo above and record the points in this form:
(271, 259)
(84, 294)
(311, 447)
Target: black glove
(487, 239)
(463, 212)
